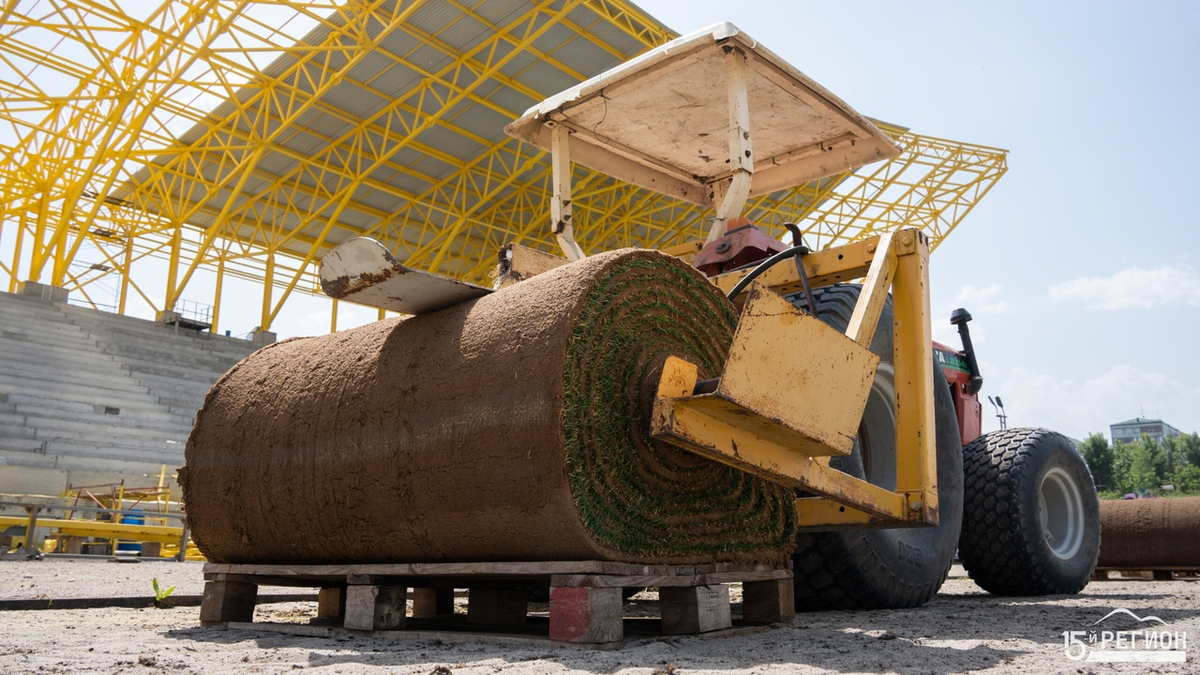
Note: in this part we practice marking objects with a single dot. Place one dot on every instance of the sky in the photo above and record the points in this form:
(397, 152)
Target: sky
(1081, 268)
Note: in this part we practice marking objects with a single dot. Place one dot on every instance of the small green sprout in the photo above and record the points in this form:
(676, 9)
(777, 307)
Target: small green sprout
(161, 594)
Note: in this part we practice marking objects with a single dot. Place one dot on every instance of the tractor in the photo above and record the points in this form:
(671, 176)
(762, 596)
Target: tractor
(832, 389)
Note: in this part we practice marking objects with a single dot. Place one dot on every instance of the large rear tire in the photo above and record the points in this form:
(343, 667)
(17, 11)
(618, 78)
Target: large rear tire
(1031, 518)
(881, 568)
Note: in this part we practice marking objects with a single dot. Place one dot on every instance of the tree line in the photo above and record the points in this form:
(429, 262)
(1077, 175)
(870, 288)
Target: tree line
(1145, 465)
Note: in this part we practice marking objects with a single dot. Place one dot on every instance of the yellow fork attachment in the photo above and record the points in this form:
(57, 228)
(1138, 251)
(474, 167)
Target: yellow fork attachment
(794, 390)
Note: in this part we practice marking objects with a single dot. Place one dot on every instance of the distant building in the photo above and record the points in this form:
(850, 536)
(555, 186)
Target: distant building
(1131, 430)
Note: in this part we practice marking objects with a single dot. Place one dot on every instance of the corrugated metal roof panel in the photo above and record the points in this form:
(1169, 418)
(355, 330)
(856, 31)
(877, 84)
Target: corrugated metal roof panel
(502, 12)
(450, 143)
(481, 121)
(543, 76)
(369, 67)
(353, 100)
(585, 56)
(394, 72)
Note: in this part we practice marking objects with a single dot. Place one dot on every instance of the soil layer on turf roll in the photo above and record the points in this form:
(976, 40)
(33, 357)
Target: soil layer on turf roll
(512, 427)
(1142, 534)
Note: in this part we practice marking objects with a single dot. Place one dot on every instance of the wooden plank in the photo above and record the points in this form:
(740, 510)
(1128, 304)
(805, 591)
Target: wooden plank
(522, 262)
(586, 615)
(875, 287)
(265, 580)
(440, 569)
(375, 607)
(766, 602)
(695, 609)
(633, 581)
(363, 271)
(504, 606)
(228, 601)
(174, 600)
(331, 604)
(430, 602)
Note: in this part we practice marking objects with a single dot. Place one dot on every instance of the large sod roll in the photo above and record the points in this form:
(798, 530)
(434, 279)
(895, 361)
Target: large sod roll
(1150, 533)
(513, 427)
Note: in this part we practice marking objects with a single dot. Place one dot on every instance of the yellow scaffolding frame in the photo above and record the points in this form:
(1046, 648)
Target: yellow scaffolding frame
(209, 134)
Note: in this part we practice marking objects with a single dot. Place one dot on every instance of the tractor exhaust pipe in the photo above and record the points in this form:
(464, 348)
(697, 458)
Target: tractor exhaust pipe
(960, 317)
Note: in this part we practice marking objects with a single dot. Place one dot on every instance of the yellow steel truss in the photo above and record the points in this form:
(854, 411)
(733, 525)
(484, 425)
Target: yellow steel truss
(247, 138)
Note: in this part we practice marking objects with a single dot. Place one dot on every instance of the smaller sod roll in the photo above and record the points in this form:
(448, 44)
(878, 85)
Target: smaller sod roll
(1144, 534)
(512, 427)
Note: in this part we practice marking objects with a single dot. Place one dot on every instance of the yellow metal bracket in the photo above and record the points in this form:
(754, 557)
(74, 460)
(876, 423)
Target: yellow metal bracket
(794, 390)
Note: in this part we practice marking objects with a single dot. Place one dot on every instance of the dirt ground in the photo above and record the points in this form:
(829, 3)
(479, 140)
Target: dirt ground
(963, 630)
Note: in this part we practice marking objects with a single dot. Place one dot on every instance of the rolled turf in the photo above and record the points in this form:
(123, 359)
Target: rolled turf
(1142, 534)
(513, 427)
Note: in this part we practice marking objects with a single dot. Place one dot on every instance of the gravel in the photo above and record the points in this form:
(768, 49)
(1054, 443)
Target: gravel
(962, 630)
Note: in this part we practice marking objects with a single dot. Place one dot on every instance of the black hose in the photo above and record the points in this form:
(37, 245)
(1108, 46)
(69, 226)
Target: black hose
(763, 267)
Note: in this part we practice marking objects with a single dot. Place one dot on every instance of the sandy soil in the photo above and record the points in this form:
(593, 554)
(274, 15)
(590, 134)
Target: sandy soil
(962, 630)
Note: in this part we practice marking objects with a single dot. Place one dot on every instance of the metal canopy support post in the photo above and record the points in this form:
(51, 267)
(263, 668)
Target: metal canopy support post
(730, 194)
(916, 451)
(560, 204)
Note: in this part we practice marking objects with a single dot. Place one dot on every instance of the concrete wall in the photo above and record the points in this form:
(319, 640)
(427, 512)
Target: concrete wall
(88, 397)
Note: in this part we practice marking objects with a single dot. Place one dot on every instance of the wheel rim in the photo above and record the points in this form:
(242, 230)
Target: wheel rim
(877, 431)
(1060, 513)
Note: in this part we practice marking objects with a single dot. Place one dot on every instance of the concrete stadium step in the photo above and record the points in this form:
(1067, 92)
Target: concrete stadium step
(92, 395)
(48, 312)
(28, 402)
(34, 329)
(179, 356)
(17, 455)
(100, 464)
(8, 429)
(62, 366)
(124, 326)
(172, 456)
(53, 344)
(169, 385)
(169, 348)
(197, 375)
(79, 429)
(79, 393)
(121, 382)
(82, 411)
(137, 432)
(55, 352)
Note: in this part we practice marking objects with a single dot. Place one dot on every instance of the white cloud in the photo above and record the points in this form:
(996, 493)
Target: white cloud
(972, 294)
(1077, 408)
(980, 301)
(1133, 288)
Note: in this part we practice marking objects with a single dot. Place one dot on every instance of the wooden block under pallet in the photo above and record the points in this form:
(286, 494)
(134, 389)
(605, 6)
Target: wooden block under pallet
(431, 602)
(506, 606)
(228, 601)
(371, 607)
(586, 614)
(331, 606)
(689, 610)
(766, 602)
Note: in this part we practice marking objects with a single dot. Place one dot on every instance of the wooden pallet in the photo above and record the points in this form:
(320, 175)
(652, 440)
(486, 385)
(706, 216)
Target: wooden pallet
(1147, 574)
(585, 596)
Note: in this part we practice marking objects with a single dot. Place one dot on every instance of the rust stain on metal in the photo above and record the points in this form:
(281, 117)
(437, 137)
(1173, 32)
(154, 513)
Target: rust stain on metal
(346, 284)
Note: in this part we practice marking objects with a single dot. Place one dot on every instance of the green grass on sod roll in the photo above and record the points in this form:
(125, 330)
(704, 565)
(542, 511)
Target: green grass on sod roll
(631, 491)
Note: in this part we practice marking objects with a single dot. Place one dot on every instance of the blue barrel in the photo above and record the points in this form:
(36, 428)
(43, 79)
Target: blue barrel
(132, 519)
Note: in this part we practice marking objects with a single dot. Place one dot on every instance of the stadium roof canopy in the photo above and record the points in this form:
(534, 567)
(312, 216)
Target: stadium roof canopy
(384, 119)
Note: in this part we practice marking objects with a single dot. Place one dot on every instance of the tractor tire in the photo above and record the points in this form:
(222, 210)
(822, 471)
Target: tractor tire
(881, 568)
(1031, 518)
